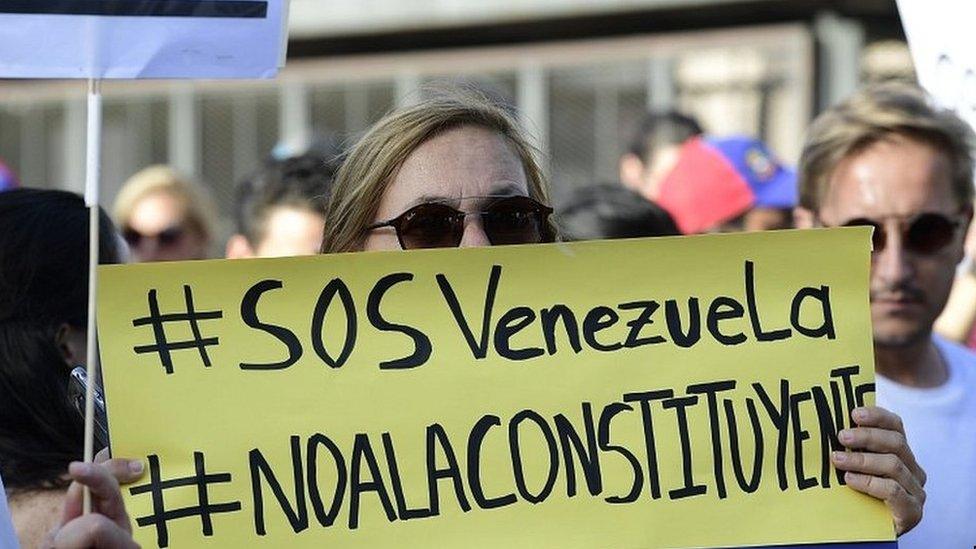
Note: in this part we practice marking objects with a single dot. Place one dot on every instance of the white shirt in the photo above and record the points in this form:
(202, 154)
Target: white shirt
(8, 540)
(940, 424)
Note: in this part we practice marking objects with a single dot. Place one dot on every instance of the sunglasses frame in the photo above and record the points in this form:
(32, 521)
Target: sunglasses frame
(538, 209)
(905, 226)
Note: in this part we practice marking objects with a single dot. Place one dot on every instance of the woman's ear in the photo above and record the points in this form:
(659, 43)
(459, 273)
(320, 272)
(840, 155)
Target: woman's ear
(72, 344)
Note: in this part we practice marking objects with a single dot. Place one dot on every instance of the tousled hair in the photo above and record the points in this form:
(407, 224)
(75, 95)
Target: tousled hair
(874, 114)
(661, 129)
(612, 211)
(302, 182)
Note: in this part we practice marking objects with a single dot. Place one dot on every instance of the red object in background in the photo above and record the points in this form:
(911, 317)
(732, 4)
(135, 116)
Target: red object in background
(703, 190)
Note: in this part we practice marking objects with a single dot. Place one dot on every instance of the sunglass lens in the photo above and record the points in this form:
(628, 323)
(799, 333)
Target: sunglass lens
(515, 220)
(170, 236)
(929, 233)
(878, 237)
(131, 237)
(431, 226)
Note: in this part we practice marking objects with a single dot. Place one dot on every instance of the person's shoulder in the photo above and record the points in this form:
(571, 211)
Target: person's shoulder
(961, 359)
(953, 349)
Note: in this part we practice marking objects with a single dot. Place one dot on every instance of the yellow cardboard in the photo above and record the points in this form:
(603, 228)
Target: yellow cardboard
(400, 435)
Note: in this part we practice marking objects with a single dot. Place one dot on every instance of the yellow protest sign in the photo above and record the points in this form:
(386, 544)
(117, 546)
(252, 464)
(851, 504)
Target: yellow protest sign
(677, 392)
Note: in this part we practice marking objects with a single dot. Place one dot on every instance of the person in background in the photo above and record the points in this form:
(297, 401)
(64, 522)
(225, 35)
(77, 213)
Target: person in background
(728, 184)
(958, 318)
(889, 159)
(611, 211)
(280, 209)
(654, 149)
(43, 327)
(164, 216)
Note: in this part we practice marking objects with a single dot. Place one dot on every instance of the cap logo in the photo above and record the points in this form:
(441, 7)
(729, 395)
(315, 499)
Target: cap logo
(760, 164)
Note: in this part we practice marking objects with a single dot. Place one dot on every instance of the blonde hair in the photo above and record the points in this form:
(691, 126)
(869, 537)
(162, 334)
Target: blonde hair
(874, 114)
(196, 203)
(373, 162)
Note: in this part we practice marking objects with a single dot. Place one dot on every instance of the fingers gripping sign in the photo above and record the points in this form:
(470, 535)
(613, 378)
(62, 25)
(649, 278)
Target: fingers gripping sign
(108, 524)
(880, 463)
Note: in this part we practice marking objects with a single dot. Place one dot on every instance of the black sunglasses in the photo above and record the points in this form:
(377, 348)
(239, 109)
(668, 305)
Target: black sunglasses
(165, 238)
(923, 234)
(509, 220)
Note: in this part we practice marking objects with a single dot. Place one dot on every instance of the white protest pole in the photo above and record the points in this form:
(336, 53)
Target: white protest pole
(92, 173)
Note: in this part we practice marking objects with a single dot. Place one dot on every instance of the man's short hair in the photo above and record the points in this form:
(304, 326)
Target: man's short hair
(300, 182)
(660, 129)
(874, 114)
(612, 211)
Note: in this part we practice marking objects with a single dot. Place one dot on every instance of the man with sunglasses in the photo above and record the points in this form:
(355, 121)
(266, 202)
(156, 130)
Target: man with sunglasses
(889, 159)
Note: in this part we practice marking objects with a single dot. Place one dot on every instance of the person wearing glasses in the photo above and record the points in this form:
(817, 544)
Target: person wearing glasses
(163, 216)
(889, 159)
(452, 171)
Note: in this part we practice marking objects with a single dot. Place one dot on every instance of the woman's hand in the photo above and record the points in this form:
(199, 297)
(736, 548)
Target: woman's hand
(107, 526)
(885, 466)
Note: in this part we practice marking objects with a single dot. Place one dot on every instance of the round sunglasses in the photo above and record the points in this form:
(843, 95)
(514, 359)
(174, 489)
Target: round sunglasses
(507, 220)
(923, 234)
(169, 236)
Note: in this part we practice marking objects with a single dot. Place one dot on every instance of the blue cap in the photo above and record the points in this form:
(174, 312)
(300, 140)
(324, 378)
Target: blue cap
(773, 184)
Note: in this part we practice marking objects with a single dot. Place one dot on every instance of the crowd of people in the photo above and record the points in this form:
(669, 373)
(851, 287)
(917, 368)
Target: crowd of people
(456, 170)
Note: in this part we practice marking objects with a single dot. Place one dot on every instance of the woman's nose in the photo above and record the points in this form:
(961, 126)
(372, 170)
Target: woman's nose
(474, 234)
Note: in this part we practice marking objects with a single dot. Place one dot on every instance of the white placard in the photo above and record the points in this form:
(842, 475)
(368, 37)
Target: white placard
(940, 35)
(141, 38)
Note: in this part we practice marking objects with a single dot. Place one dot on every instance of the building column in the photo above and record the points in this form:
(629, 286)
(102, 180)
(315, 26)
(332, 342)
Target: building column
(75, 134)
(840, 42)
(294, 126)
(184, 129)
(407, 89)
(661, 93)
(533, 103)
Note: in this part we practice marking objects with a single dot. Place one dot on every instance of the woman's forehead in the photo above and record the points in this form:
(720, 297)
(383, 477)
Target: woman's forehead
(461, 162)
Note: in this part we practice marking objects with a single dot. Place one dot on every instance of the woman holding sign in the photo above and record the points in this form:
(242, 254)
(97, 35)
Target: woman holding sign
(455, 170)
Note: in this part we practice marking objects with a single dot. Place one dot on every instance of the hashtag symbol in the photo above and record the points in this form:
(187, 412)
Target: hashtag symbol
(204, 508)
(163, 347)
